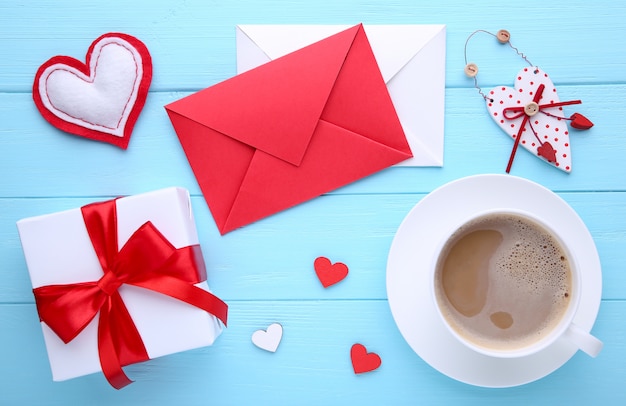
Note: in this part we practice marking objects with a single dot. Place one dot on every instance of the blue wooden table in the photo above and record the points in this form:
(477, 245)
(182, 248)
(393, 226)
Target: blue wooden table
(265, 271)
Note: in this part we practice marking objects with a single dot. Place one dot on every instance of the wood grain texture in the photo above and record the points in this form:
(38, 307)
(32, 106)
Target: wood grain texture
(474, 144)
(265, 271)
(273, 259)
(310, 367)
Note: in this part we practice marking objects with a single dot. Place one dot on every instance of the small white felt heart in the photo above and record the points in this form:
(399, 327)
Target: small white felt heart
(269, 339)
(101, 101)
(544, 128)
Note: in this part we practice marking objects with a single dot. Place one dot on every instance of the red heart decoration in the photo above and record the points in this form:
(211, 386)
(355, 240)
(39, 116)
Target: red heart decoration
(363, 361)
(329, 273)
(547, 151)
(580, 122)
(100, 99)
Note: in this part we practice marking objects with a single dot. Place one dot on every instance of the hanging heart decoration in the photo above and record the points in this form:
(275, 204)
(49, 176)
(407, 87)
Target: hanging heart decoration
(531, 112)
(100, 99)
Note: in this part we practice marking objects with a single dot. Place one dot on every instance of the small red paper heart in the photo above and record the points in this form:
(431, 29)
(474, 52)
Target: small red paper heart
(547, 151)
(329, 273)
(363, 361)
(580, 122)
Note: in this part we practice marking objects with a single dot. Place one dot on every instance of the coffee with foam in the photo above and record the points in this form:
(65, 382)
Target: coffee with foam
(503, 282)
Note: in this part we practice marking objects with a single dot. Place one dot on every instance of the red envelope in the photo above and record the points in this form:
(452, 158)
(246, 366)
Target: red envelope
(290, 130)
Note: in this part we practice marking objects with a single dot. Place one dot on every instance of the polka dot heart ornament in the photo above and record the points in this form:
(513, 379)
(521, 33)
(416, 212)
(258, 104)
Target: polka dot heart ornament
(531, 112)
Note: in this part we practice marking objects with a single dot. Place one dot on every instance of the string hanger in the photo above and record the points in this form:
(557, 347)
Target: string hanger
(530, 112)
(503, 37)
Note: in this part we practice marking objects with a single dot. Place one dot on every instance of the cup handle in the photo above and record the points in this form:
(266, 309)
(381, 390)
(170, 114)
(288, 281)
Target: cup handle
(583, 340)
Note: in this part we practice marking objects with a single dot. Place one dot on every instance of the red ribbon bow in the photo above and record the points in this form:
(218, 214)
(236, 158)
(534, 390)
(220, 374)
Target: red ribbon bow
(147, 260)
(545, 150)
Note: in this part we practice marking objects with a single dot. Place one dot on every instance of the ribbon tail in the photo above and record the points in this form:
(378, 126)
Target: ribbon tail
(516, 143)
(119, 342)
(536, 99)
(190, 294)
(111, 366)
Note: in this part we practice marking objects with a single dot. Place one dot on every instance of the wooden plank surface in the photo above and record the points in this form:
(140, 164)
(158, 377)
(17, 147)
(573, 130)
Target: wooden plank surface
(265, 271)
(312, 365)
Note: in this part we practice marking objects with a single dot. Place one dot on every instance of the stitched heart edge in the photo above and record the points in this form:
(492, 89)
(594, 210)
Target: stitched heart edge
(142, 92)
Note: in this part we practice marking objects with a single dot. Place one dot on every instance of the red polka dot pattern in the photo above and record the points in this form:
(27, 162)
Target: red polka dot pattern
(551, 128)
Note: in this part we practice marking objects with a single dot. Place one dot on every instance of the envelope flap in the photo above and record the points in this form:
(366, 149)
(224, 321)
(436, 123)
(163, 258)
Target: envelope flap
(279, 40)
(275, 107)
(393, 45)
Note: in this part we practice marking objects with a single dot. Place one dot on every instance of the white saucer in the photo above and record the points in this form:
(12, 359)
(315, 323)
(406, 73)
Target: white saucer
(413, 249)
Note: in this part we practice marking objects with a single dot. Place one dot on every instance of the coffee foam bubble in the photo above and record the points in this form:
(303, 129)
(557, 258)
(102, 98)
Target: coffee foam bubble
(528, 276)
(533, 259)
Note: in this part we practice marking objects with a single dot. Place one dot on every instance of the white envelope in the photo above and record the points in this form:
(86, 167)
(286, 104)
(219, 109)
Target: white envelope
(411, 59)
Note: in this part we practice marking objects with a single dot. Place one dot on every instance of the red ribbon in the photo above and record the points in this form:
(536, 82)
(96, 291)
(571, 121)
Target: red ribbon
(147, 260)
(545, 150)
(519, 110)
(521, 129)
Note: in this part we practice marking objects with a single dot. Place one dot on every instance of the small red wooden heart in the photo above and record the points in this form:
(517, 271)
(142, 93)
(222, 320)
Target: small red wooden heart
(329, 273)
(580, 122)
(547, 151)
(363, 361)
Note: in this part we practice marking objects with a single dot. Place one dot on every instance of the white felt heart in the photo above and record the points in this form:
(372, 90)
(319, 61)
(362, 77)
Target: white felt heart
(101, 101)
(269, 339)
(544, 131)
(101, 98)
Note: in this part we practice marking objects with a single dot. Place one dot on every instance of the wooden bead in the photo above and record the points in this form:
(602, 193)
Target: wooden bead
(531, 109)
(471, 70)
(503, 36)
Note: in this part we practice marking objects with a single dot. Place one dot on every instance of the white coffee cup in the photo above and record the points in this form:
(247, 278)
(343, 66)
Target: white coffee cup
(563, 328)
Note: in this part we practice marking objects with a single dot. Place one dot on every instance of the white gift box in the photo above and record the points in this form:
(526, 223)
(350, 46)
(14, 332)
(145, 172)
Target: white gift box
(58, 250)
